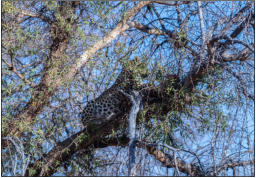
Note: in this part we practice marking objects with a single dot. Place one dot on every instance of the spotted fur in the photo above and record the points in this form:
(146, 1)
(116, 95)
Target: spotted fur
(112, 102)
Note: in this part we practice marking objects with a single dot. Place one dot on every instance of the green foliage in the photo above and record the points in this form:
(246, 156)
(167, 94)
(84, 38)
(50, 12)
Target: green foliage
(31, 171)
(82, 137)
(8, 7)
(28, 41)
(51, 5)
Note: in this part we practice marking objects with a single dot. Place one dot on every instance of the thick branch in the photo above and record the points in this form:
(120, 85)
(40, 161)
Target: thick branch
(28, 13)
(234, 164)
(243, 55)
(200, 71)
(240, 28)
(169, 161)
(135, 99)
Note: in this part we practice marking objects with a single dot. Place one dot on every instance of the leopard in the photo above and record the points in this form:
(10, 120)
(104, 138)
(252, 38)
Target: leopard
(113, 102)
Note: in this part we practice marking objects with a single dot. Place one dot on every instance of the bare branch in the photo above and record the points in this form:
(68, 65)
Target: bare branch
(242, 84)
(14, 70)
(240, 28)
(159, 17)
(26, 13)
(237, 18)
(201, 17)
(243, 55)
(120, 27)
(199, 71)
(154, 31)
(135, 99)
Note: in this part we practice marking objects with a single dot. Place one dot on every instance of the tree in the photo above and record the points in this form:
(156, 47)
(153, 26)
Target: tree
(196, 88)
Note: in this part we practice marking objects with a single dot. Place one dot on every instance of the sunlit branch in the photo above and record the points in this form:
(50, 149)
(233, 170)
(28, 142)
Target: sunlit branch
(201, 17)
(170, 161)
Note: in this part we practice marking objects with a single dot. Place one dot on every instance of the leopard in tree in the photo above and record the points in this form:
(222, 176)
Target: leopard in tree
(113, 103)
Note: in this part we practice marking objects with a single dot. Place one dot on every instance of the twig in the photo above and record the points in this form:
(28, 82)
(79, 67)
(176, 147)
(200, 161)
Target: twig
(159, 17)
(13, 69)
(194, 154)
(20, 150)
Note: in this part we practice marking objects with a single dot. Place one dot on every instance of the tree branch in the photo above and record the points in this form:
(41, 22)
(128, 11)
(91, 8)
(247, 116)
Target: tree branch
(135, 99)
(19, 150)
(147, 29)
(155, 31)
(14, 70)
(201, 17)
(172, 3)
(233, 164)
(201, 70)
(169, 161)
(240, 28)
(238, 17)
